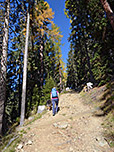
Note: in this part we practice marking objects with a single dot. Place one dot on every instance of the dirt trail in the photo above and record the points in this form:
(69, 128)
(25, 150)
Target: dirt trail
(74, 128)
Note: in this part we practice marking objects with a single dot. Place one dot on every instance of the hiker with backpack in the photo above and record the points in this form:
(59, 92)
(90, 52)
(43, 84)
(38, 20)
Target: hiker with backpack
(55, 100)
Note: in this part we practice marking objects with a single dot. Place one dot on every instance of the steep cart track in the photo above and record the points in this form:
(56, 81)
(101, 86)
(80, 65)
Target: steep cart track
(74, 128)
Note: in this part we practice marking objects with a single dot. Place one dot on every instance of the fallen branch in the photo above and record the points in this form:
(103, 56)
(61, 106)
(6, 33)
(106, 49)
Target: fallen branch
(11, 140)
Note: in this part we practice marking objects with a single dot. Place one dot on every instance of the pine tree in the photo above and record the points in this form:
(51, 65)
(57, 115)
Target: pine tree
(88, 37)
(49, 84)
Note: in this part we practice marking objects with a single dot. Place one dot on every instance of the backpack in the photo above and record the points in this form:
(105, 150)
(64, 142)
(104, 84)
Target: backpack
(54, 93)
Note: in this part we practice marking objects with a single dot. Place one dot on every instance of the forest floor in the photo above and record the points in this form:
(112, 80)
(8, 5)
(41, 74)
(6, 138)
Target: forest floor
(75, 128)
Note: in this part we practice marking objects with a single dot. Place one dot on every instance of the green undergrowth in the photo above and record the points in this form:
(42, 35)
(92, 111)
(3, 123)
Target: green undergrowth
(102, 98)
(17, 135)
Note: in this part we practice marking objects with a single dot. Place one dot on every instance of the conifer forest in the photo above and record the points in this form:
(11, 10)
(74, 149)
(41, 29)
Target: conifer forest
(31, 60)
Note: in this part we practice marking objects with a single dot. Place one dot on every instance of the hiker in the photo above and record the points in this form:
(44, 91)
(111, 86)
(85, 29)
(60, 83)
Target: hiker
(89, 86)
(55, 100)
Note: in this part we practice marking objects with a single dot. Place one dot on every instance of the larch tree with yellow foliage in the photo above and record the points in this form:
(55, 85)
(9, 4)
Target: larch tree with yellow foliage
(55, 35)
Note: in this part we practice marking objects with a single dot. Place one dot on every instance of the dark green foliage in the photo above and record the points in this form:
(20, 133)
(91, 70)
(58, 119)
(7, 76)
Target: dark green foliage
(49, 84)
(72, 79)
(14, 64)
(92, 40)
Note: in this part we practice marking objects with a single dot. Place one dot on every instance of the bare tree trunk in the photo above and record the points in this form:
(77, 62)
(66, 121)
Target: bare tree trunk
(25, 72)
(60, 78)
(42, 66)
(4, 65)
(109, 12)
(19, 81)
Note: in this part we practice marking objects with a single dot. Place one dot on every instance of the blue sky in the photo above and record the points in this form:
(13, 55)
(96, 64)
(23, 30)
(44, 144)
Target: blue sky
(61, 21)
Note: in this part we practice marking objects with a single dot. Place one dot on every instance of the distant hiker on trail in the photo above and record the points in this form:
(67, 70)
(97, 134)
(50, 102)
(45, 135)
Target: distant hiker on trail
(89, 86)
(55, 100)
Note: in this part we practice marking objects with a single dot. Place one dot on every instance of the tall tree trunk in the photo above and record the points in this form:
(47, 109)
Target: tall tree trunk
(20, 72)
(60, 77)
(109, 12)
(25, 71)
(4, 64)
(42, 66)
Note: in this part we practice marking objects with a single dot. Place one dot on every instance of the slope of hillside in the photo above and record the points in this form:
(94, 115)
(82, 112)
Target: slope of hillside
(74, 128)
(102, 99)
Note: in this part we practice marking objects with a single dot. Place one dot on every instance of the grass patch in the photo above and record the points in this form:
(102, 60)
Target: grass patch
(64, 114)
(71, 118)
(111, 143)
(28, 128)
(64, 92)
(109, 127)
(23, 131)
